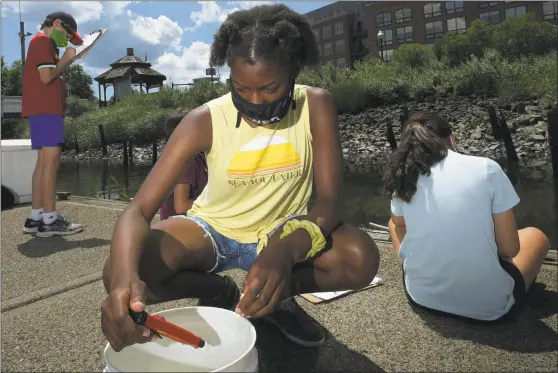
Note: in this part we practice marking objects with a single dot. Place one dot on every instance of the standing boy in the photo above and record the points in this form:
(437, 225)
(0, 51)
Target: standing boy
(43, 103)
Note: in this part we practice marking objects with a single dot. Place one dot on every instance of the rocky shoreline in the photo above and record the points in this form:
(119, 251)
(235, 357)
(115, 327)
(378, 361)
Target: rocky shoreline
(364, 135)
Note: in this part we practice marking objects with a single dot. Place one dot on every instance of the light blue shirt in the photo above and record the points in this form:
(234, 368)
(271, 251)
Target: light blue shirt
(449, 253)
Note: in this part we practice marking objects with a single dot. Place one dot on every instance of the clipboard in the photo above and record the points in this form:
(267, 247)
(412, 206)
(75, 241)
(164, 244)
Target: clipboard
(316, 298)
(89, 41)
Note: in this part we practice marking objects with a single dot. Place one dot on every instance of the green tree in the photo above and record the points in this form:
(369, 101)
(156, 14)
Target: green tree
(79, 82)
(455, 49)
(5, 73)
(11, 78)
(521, 36)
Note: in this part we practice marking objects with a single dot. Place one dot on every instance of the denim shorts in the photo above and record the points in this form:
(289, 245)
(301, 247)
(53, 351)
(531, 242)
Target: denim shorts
(230, 253)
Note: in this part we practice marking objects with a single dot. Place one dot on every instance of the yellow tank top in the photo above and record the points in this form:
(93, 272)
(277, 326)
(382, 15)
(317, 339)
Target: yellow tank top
(257, 177)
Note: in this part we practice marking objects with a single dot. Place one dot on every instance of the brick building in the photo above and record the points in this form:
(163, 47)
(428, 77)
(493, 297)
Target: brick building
(340, 30)
(403, 22)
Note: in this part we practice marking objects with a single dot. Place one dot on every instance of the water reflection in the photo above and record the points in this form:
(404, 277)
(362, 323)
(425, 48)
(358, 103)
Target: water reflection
(363, 194)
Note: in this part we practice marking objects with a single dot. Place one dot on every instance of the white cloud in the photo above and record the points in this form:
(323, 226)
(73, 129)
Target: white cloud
(115, 8)
(189, 65)
(83, 11)
(248, 4)
(162, 30)
(211, 12)
(93, 71)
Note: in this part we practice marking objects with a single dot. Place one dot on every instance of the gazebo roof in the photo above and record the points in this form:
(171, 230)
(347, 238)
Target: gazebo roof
(138, 69)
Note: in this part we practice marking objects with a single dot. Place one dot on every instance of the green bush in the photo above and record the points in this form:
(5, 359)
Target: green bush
(479, 75)
(76, 106)
(15, 128)
(414, 56)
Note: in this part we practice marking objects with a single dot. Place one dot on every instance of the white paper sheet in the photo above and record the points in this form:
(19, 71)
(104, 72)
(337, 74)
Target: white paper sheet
(327, 295)
(88, 41)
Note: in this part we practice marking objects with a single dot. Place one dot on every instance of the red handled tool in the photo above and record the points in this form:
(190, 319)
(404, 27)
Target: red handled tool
(167, 329)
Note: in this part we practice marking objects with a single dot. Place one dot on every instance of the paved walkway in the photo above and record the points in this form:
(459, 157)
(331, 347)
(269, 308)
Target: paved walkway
(51, 294)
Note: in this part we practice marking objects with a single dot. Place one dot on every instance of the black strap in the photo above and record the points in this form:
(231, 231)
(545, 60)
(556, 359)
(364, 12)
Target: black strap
(238, 118)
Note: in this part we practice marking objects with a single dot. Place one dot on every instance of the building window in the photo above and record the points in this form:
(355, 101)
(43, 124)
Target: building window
(340, 46)
(515, 12)
(434, 30)
(328, 51)
(327, 32)
(491, 17)
(430, 45)
(550, 10)
(388, 37)
(457, 25)
(486, 4)
(386, 55)
(317, 34)
(328, 63)
(404, 34)
(339, 28)
(358, 26)
(383, 19)
(341, 63)
(454, 7)
(403, 15)
(432, 10)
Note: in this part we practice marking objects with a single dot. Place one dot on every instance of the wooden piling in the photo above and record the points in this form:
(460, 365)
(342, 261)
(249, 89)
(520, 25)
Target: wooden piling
(154, 152)
(130, 152)
(76, 144)
(494, 123)
(103, 140)
(506, 137)
(125, 154)
(552, 117)
(391, 136)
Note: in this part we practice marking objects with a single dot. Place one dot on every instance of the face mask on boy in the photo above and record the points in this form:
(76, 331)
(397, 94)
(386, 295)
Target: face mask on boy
(59, 37)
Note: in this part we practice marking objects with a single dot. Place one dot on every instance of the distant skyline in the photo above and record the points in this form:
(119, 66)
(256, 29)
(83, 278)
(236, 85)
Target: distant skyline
(175, 35)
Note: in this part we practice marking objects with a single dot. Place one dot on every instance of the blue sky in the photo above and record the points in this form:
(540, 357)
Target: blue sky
(175, 35)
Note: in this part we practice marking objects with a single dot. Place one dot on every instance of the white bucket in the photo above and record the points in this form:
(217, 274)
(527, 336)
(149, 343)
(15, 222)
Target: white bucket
(229, 345)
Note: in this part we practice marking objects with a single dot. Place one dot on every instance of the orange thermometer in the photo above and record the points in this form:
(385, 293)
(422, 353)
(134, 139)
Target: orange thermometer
(167, 329)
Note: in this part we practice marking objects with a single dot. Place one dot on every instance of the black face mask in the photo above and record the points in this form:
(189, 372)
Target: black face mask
(263, 114)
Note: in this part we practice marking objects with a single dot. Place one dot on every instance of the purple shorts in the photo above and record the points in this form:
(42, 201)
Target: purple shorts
(46, 130)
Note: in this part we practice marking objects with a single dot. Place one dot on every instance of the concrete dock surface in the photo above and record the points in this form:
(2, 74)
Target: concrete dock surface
(51, 297)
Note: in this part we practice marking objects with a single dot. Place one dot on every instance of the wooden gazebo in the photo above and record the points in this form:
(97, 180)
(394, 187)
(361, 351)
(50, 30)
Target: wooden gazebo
(126, 72)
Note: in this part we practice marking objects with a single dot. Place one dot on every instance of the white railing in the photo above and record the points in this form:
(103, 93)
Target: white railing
(11, 105)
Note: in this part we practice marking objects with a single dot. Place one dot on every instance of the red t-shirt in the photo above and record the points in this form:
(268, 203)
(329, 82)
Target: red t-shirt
(38, 97)
(196, 176)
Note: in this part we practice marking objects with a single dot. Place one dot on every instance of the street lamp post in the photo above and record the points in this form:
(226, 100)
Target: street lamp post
(381, 42)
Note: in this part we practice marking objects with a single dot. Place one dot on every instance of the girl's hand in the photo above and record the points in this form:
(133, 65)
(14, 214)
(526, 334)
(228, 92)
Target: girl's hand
(266, 281)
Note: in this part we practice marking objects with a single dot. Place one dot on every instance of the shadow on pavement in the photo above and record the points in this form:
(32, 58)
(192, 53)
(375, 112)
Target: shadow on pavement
(527, 334)
(277, 354)
(41, 247)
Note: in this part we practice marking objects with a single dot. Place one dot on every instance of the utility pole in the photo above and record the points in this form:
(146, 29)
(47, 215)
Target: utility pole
(22, 36)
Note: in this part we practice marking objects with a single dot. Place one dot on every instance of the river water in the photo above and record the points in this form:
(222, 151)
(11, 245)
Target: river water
(364, 200)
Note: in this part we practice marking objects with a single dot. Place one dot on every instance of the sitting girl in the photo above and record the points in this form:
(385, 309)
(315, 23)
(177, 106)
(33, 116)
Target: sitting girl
(453, 227)
(188, 188)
